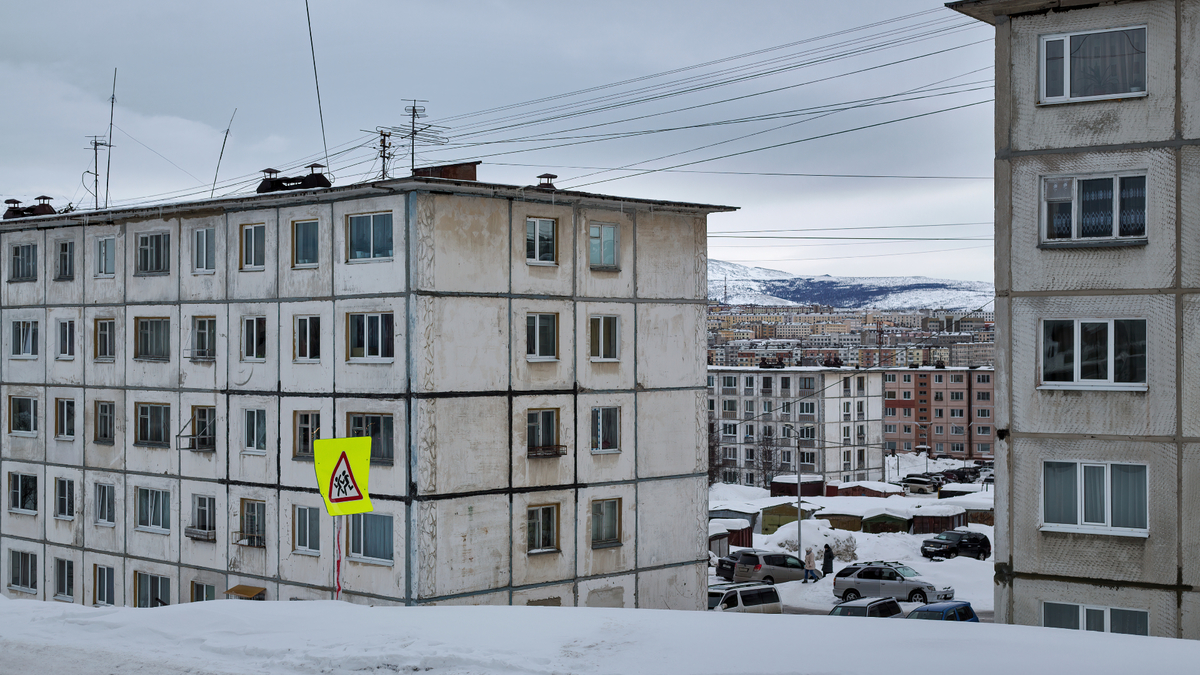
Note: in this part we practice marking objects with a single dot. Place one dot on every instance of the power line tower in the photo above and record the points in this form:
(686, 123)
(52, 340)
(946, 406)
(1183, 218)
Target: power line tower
(96, 143)
(385, 152)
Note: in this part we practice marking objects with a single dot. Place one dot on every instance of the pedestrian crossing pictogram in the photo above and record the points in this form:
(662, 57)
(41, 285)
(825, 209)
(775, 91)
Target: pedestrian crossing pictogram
(342, 486)
(343, 467)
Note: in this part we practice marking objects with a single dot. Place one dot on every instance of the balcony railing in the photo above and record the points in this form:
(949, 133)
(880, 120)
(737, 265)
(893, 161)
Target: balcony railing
(206, 354)
(766, 391)
(200, 534)
(547, 451)
(729, 414)
(767, 416)
(205, 443)
(729, 391)
(748, 415)
(251, 539)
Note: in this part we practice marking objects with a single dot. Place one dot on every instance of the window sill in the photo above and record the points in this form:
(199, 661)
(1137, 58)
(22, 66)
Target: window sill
(104, 441)
(1098, 243)
(151, 530)
(306, 266)
(543, 551)
(70, 278)
(66, 518)
(22, 589)
(302, 458)
(64, 598)
(604, 268)
(1103, 531)
(246, 360)
(541, 359)
(252, 269)
(1089, 99)
(540, 263)
(23, 512)
(386, 361)
(371, 561)
(24, 357)
(151, 444)
(605, 544)
(103, 524)
(367, 261)
(380, 461)
(598, 359)
(105, 276)
(254, 453)
(204, 271)
(104, 359)
(23, 434)
(1075, 386)
(607, 451)
(306, 361)
(22, 281)
(311, 554)
(152, 274)
(64, 358)
(153, 359)
(65, 439)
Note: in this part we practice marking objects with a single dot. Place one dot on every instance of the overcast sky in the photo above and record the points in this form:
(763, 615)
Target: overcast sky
(184, 67)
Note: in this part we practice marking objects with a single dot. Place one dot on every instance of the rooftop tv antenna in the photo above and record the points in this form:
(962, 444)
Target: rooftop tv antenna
(222, 155)
(96, 143)
(429, 134)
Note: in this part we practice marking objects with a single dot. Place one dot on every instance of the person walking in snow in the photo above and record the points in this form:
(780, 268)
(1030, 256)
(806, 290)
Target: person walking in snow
(827, 562)
(810, 565)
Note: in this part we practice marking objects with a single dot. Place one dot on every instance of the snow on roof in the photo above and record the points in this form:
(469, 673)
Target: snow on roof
(723, 525)
(939, 510)
(873, 485)
(963, 487)
(978, 501)
(340, 637)
(751, 506)
(864, 507)
(727, 492)
(791, 478)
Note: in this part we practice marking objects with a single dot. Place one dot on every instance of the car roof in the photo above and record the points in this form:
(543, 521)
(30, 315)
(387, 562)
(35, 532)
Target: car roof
(943, 606)
(864, 602)
(737, 585)
(884, 563)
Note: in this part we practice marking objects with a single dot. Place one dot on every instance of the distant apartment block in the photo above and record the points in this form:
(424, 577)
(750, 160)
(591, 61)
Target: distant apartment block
(946, 412)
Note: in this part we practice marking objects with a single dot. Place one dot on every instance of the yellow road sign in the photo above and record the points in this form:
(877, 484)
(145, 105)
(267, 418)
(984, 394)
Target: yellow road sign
(343, 468)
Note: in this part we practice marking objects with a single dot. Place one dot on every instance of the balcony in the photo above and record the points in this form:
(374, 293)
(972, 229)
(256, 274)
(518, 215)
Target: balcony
(251, 539)
(766, 391)
(748, 415)
(748, 391)
(200, 534)
(808, 468)
(785, 416)
(547, 451)
(203, 443)
(767, 416)
(205, 354)
(729, 391)
(729, 414)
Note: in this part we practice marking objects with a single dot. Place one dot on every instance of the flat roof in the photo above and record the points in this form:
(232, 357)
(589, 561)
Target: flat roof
(990, 10)
(249, 202)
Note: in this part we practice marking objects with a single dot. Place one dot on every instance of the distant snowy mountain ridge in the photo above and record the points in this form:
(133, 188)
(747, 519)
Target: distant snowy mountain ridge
(760, 286)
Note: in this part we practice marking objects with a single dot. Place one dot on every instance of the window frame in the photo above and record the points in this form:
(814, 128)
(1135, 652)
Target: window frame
(154, 244)
(371, 257)
(254, 421)
(202, 592)
(64, 260)
(596, 240)
(204, 332)
(106, 504)
(204, 250)
(158, 515)
(254, 336)
(155, 585)
(204, 513)
(1076, 239)
(1083, 609)
(252, 247)
(1080, 526)
(64, 498)
(360, 323)
(598, 345)
(64, 419)
(65, 332)
(26, 335)
(1043, 99)
(103, 581)
(110, 439)
(596, 423)
(306, 532)
(18, 485)
(313, 432)
(535, 238)
(534, 351)
(316, 233)
(356, 545)
(104, 338)
(302, 350)
(541, 510)
(138, 438)
(353, 427)
(252, 523)
(23, 571)
(145, 332)
(64, 579)
(32, 432)
(23, 262)
(603, 541)
(542, 449)
(106, 257)
(1077, 383)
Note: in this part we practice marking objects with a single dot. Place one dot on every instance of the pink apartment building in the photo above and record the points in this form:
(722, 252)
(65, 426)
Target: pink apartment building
(945, 410)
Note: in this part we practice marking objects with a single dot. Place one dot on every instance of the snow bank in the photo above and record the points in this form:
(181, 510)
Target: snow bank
(790, 479)
(227, 636)
(886, 488)
(963, 487)
(938, 510)
(979, 501)
(726, 492)
(721, 525)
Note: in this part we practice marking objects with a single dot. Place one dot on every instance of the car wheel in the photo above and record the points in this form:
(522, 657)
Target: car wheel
(768, 580)
(850, 595)
(983, 555)
(952, 554)
(918, 596)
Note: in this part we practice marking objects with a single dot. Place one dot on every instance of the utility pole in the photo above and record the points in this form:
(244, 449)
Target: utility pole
(385, 146)
(96, 144)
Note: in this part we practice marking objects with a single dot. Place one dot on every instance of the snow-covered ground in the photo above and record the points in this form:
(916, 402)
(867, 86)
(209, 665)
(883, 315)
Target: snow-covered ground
(228, 636)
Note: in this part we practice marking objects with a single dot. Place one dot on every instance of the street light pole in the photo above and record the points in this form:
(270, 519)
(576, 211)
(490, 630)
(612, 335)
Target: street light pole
(799, 503)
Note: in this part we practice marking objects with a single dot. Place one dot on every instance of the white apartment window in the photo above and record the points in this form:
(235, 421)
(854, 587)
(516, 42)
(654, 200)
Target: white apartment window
(984, 430)
(253, 530)
(25, 339)
(728, 429)
(106, 503)
(712, 405)
(1093, 65)
(808, 408)
(22, 493)
(957, 447)
(889, 412)
(541, 336)
(64, 499)
(939, 412)
(889, 377)
(103, 593)
(889, 428)
(203, 592)
(603, 333)
(153, 339)
(154, 509)
(712, 381)
(370, 236)
(24, 262)
(749, 406)
(541, 434)
(308, 429)
(889, 394)
(256, 430)
(957, 430)
(907, 378)
(939, 429)
(205, 250)
(66, 261)
(64, 579)
(204, 338)
(983, 378)
(956, 379)
(807, 382)
(983, 412)
(154, 253)
(1098, 619)
(22, 415)
(304, 243)
(1098, 353)
(105, 421)
(379, 428)
(907, 395)
(1094, 207)
(785, 408)
(939, 447)
(956, 412)
(983, 396)
(937, 379)
(152, 590)
(806, 433)
(1101, 497)
(66, 340)
(606, 522)
(729, 381)
(937, 396)
(153, 424)
(542, 528)
(539, 240)
(907, 428)
(308, 338)
(603, 244)
(106, 256)
(64, 418)
(23, 571)
(729, 454)
(254, 338)
(308, 529)
(370, 536)
(907, 412)
(371, 336)
(105, 343)
(254, 245)
(204, 513)
(956, 396)
(606, 425)
(983, 448)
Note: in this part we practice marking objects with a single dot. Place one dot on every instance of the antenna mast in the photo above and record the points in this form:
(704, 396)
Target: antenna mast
(112, 104)
(222, 155)
(96, 144)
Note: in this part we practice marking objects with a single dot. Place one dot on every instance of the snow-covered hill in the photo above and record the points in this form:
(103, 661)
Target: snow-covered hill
(758, 285)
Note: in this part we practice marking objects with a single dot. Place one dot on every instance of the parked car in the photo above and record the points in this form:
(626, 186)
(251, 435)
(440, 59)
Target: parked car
(769, 567)
(957, 542)
(918, 485)
(725, 565)
(885, 608)
(748, 598)
(959, 610)
(886, 579)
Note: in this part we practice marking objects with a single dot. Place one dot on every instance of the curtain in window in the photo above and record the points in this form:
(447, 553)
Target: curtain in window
(1129, 359)
(1060, 615)
(381, 235)
(1093, 351)
(360, 237)
(1054, 68)
(1129, 622)
(1059, 195)
(1061, 499)
(1133, 206)
(1093, 620)
(1096, 207)
(1094, 503)
(1108, 63)
(1058, 351)
(372, 534)
(1129, 496)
